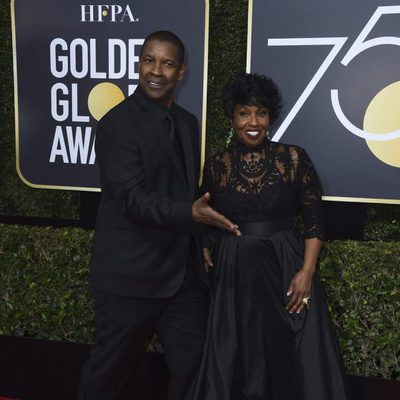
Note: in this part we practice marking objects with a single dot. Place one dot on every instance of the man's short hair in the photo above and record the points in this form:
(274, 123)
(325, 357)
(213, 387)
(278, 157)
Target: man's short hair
(166, 36)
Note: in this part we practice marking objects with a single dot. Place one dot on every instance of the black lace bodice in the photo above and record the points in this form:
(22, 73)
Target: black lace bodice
(271, 181)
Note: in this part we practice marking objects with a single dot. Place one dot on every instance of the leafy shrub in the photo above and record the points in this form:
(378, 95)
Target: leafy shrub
(383, 222)
(44, 293)
(43, 289)
(362, 280)
(227, 58)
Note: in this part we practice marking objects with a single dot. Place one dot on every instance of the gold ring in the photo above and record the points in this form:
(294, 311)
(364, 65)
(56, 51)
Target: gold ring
(306, 301)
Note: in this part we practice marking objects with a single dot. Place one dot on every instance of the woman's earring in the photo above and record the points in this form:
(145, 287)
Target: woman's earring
(268, 135)
(229, 137)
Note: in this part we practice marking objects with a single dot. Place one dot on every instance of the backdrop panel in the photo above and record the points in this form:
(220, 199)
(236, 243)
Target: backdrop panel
(73, 61)
(337, 65)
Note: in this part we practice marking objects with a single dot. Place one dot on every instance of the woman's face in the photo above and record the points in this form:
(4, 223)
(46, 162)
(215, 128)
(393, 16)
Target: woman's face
(250, 124)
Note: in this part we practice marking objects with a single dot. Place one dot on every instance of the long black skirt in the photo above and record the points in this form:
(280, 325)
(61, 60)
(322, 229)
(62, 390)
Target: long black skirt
(256, 349)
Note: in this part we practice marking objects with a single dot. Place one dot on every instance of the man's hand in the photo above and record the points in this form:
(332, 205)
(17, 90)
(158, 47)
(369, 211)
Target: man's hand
(204, 214)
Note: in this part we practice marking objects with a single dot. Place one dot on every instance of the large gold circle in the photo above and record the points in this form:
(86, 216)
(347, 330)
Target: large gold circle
(383, 116)
(102, 98)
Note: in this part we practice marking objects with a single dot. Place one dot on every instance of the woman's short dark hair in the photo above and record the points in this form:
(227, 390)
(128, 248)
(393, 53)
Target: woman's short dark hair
(252, 90)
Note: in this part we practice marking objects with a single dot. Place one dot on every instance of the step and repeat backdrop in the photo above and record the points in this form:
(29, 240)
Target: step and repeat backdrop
(337, 65)
(75, 60)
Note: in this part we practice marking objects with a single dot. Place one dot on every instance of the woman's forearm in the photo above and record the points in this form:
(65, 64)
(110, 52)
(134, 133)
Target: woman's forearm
(311, 253)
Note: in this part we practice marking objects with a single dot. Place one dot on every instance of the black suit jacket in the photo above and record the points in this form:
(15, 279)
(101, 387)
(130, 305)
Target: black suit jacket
(144, 220)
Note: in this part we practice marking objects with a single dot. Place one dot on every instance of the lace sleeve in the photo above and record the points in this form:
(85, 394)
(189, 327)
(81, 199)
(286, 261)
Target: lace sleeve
(310, 197)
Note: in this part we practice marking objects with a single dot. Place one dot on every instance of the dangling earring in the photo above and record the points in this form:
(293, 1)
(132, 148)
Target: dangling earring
(229, 137)
(268, 135)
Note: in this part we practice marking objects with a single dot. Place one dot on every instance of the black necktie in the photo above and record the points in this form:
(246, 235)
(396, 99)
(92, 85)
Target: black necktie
(169, 123)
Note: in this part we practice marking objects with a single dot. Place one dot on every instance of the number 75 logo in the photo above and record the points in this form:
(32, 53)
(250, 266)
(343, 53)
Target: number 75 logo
(359, 45)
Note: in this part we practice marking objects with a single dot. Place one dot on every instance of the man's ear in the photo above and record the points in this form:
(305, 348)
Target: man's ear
(181, 72)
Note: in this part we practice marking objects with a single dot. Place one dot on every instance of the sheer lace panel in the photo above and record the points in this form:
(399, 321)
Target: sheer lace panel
(271, 181)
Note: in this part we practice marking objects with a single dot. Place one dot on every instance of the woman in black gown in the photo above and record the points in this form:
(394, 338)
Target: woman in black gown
(269, 336)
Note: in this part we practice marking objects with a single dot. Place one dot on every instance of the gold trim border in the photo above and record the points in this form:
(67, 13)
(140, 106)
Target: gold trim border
(95, 189)
(249, 34)
(325, 198)
(205, 87)
(360, 200)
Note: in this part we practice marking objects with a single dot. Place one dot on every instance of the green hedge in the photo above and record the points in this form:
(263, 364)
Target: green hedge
(362, 281)
(43, 289)
(227, 58)
(44, 293)
(383, 223)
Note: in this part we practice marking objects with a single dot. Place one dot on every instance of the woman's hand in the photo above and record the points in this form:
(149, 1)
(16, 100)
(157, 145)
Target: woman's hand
(207, 259)
(299, 289)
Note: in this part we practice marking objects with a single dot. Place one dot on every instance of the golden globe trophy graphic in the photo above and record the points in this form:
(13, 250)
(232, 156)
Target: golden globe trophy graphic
(102, 98)
(382, 117)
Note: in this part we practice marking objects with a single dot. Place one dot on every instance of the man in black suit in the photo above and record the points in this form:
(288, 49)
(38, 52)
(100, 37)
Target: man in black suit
(144, 271)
